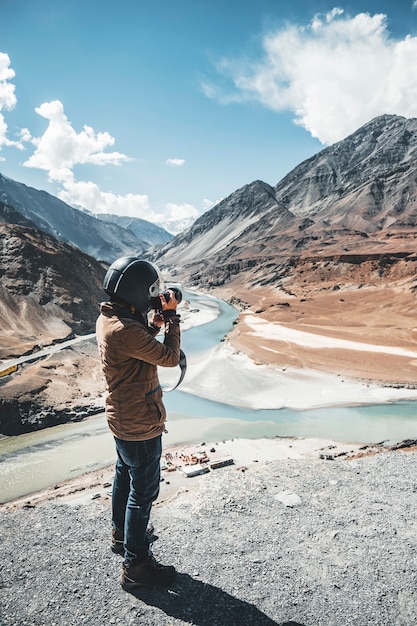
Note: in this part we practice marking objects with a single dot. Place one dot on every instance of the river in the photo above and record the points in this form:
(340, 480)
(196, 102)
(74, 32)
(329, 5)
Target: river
(33, 461)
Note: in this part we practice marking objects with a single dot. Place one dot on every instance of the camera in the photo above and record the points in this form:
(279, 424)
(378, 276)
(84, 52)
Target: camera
(156, 302)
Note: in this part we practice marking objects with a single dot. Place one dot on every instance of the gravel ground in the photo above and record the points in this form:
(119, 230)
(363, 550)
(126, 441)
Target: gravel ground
(294, 542)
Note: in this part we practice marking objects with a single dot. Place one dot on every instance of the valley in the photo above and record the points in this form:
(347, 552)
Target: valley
(329, 251)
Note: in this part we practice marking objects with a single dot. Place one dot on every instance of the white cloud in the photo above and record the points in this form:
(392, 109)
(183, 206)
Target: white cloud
(334, 74)
(25, 135)
(181, 211)
(174, 217)
(175, 162)
(7, 95)
(89, 196)
(208, 204)
(62, 147)
(3, 131)
(7, 99)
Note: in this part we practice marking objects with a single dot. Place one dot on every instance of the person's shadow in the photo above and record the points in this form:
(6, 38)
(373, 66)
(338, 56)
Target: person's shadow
(195, 602)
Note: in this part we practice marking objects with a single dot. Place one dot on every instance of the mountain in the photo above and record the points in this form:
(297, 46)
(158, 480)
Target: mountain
(103, 239)
(148, 233)
(49, 289)
(356, 197)
(330, 251)
(49, 292)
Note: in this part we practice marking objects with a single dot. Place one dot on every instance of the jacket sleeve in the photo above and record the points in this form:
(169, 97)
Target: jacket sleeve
(139, 343)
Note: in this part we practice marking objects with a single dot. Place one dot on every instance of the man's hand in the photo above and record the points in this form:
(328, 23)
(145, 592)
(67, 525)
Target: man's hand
(172, 303)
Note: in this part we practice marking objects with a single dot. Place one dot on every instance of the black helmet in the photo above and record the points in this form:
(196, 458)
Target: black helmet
(133, 281)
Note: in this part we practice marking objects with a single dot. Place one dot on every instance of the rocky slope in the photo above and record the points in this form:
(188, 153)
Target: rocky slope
(353, 203)
(49, 292)
(44, 283)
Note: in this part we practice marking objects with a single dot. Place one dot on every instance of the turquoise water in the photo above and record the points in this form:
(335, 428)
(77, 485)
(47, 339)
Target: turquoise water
(372, 423)
(37, 460)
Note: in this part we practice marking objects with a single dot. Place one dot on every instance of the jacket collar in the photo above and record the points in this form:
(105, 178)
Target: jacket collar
(123, 312)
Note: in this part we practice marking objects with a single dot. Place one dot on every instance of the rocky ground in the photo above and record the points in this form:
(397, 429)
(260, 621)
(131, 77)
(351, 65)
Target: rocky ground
(308, 540)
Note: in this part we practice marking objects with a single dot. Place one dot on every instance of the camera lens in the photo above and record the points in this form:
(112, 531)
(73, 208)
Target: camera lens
(177, 292)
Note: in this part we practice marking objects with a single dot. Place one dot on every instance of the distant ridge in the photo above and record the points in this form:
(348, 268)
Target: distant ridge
(148, 233)
(104, 239)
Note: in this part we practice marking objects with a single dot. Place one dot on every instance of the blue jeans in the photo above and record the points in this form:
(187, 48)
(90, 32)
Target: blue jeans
(135, 488)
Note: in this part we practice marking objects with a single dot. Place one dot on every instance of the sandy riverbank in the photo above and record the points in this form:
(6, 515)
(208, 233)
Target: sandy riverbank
(244, 453)
(366, 333)
(359, 347)
(228, 374)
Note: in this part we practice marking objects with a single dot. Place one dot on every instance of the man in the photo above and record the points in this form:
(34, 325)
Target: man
(135, 411)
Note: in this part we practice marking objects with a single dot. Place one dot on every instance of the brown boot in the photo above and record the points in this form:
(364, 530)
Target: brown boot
(148, 573)
(116, 545)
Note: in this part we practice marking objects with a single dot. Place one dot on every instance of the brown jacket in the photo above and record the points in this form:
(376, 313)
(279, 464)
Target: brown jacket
(129, 354)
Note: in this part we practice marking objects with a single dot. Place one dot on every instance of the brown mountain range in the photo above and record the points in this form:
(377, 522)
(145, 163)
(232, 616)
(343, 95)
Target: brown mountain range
(354, 200)
(331, 249)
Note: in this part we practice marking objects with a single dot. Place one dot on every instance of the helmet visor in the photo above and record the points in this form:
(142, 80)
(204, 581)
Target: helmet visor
(157, 287)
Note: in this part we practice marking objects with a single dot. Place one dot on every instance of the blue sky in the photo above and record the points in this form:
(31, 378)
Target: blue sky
(161, 109)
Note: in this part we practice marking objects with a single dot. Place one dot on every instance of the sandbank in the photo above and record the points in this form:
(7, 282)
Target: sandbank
(326, 359)
(227, 375)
